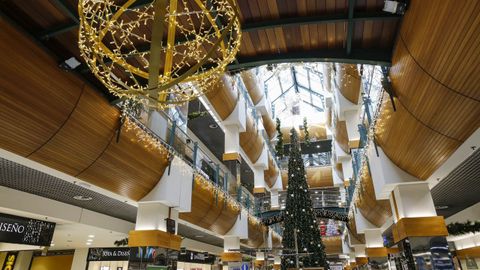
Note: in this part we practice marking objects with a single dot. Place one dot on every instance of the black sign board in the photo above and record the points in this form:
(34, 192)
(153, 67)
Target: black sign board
(170, 225)
(27, 231)
(108, 254)
(10, 260)
(196, 257)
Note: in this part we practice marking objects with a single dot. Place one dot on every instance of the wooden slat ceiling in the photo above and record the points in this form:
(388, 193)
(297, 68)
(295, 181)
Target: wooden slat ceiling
(274, 31)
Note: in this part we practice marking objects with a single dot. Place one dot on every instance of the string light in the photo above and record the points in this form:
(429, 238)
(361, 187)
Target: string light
(123, 46)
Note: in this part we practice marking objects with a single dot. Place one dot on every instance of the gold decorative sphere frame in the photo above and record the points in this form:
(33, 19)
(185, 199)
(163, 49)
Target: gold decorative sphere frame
(164, 53)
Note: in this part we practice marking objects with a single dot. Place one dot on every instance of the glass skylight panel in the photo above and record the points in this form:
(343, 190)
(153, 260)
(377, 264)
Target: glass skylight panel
(302, 78)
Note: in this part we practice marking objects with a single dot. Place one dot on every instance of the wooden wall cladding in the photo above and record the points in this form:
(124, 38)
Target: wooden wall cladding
(127, 167)
(271, 174)
(256, 233)
(338, 168)
(87, 133)
(270, 126)
(209, 210)
(375, 211)
(333, 244)
(223, 97)
(434, 77)
(341, 136)
(51, 117)
(316, 132)
(420, 151)
(252, 84)
(276, 240)
(33, 108)
(251, 141)
(352, 228)
(348, 81)
(317, 177)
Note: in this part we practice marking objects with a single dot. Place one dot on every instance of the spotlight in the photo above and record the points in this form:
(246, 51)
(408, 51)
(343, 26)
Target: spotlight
(69, 64)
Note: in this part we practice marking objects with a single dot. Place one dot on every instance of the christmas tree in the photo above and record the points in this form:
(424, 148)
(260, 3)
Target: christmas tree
(332, 228)
(300, 223)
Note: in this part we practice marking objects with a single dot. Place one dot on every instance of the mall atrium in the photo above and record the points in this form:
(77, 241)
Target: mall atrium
(239, 134)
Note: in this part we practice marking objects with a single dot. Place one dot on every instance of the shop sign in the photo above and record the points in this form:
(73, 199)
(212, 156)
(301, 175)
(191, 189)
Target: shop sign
(196, 257)
(108, 254)
(10, 260)
(27, 231)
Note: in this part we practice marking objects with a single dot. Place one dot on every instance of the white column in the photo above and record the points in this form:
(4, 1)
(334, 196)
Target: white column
(80, 259)
(174, 188)
(385, 174)
(360, 251)
(373, 238)
(23, 260)
(232, 139)
(412, 200)
(151, 216)
(274, 199)
(231, 243)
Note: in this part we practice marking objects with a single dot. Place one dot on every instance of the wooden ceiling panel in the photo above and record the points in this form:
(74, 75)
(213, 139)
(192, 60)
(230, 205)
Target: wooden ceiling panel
(430, 102)
(408, 143)
(31, 83)
(127, 167)
(317, 177)
(83, 137)
(375, 211)
(44, 14)
(444, 40)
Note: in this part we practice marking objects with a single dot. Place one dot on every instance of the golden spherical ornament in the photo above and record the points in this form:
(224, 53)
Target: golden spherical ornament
(163, 53)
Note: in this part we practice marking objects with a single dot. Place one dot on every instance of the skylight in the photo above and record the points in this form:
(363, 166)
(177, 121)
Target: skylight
(296, 91)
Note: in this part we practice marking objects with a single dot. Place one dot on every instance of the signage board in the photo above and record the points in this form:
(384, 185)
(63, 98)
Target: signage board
(234, 265)
(196, 257)
(26, 231)
(244, 266)
(108, 254)
(10, 260)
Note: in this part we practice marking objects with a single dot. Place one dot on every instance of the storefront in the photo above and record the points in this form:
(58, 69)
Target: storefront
(108, 258)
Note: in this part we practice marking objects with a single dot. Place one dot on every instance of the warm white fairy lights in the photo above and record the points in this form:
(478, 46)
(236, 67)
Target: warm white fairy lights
(163, 53)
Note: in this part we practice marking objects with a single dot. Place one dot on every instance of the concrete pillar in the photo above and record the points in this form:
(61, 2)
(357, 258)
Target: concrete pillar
(80, 259)
(274, 200)
(417, 230)
(23, 260)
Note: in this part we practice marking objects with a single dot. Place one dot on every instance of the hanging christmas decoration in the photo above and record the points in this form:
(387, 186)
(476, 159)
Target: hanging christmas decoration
(163, 53)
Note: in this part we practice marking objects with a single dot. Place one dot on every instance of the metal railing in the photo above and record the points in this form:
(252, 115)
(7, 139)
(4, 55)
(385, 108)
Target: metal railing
(177, 140)
(321, 198)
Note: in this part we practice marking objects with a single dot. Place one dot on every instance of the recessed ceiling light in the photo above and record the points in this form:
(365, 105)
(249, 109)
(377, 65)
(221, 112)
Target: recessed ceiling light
(90, 240)
(52, 244)
(88, 243)
(199, 236)
(91, 236)
(82, 198)
(213, 126)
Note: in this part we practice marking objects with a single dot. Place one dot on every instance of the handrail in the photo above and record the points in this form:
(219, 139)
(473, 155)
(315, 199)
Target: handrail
(242, 88)
(180, 149)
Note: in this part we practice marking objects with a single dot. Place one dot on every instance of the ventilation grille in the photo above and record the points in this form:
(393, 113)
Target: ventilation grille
(19, 177)
(460, 189)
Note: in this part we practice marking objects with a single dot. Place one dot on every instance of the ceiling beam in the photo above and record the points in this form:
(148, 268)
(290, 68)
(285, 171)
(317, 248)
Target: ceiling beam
(327, 18)
(254, 26)
(49, 33)
(351, 7)
(357, 56)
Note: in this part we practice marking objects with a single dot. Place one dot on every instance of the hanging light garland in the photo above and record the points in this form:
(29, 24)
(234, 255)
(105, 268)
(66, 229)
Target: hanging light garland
(164, 53)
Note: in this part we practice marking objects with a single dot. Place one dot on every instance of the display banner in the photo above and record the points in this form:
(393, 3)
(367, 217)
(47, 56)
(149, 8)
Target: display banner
(27, 231)
(196, 257)
(108, 254)
(10, 260)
